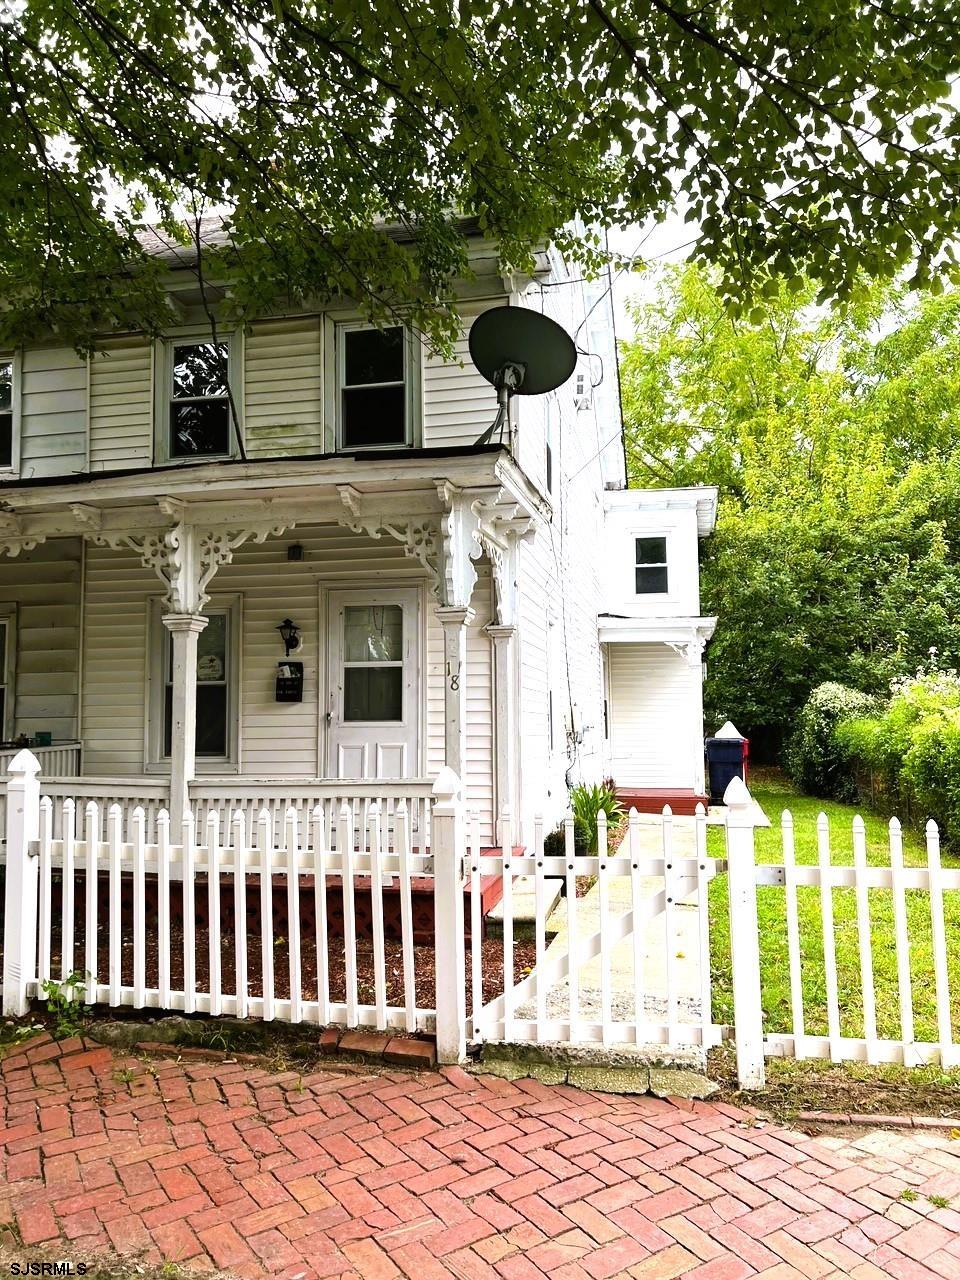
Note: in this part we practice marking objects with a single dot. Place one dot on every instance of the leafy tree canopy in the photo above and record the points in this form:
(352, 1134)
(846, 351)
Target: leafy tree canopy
(833, 437)
(819, 136)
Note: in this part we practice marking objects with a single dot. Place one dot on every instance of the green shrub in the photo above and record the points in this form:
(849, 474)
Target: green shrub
(554, 842)
(587, 801)
(910, 750)
(815, 760)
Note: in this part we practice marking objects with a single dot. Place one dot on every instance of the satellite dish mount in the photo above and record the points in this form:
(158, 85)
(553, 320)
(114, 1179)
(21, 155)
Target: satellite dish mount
(520, 352)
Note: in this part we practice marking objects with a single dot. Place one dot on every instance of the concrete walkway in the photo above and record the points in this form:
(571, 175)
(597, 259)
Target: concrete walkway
(223, 1165)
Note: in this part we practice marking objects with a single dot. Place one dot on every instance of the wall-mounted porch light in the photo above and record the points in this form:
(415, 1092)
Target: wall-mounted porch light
(290, 635)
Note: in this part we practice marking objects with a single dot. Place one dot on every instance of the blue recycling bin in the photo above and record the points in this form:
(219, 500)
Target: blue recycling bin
(727, 755)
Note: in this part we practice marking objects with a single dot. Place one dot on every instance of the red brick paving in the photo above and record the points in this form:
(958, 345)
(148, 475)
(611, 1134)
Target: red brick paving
(444, 1174)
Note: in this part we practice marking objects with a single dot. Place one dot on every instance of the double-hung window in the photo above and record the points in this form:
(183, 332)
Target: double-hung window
(216, 739)
(375, 380)
(199, 399)
(650, 566)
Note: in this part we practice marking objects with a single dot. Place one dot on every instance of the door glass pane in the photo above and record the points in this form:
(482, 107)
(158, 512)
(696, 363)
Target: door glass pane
(373, 633)
(373, 693)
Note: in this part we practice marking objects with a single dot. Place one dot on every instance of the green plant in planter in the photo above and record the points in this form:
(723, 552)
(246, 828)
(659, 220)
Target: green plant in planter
(588, 801)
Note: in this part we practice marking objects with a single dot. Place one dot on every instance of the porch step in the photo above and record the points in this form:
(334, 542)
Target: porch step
(682, 800)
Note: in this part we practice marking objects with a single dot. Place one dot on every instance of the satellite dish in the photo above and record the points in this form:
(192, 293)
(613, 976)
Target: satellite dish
(520, 352)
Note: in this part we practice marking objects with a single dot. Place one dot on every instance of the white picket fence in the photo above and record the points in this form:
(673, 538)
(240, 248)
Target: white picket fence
(362, 855)
(611, 972)
(876, 890)
(622, 957)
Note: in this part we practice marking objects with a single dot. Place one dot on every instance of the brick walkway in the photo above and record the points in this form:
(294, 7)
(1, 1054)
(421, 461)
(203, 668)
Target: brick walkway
(443, 1174)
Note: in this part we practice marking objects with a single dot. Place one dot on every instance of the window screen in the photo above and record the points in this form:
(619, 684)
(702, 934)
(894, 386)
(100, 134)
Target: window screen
(651, 566)
(199, 400)
(373, 409)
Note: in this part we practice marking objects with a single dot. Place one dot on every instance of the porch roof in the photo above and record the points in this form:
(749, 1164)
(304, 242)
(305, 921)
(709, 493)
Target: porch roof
(618, 629)
(316, 491)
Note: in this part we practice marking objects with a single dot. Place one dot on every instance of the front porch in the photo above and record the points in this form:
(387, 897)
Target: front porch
(148, 648)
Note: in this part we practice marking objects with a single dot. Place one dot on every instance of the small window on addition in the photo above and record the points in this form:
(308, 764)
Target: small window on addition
(651, 566)
(199, 400)
(373, 388)
(6, 413)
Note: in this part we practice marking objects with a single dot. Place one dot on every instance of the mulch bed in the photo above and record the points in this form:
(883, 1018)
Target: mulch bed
(524, 955)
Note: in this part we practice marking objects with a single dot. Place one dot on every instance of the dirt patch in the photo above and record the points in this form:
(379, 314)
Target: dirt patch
(850, 1088)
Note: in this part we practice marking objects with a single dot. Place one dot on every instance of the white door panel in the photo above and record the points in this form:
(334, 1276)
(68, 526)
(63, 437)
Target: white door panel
(373, 683)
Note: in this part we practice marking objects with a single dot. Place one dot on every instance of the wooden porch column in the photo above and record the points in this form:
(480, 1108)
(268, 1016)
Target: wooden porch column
(184, 629)
(505, 734)
(455, 621)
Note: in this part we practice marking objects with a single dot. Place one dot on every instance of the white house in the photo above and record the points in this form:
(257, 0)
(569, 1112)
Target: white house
(511, 610)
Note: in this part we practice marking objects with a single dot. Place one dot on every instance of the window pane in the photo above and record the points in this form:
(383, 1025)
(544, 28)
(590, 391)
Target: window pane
(373, 693)
(200, 369)
(651, 550)
(373, 633)
(651, 580)
(3, 651)
(199, 427)
(212, 720)
(372, 355)
(6, 439)
(6, 385)
(212, 650)
(374, 415)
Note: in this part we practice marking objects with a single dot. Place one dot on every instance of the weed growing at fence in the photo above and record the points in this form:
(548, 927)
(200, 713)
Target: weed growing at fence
(771, 911)
(64, 1002)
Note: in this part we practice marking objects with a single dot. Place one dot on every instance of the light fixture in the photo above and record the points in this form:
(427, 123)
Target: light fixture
(295, 551)
(290, 634)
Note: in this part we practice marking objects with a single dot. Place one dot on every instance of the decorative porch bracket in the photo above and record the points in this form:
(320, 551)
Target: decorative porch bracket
(185, 557)
(690, 650)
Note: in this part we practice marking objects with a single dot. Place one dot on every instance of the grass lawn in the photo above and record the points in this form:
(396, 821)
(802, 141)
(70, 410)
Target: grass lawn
(774, 797)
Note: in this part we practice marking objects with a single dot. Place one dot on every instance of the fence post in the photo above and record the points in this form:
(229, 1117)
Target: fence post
(744, 935)
(22, 880)
(447, 844)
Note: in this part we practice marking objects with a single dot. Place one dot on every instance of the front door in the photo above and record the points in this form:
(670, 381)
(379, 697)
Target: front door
(373, 684)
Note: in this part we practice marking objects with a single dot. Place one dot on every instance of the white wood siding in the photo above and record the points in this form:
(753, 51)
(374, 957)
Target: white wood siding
(53, 421)
(276, 739)
(121, 405)
(44, 584)
(283, 393)
(653, 703)
(458, 404)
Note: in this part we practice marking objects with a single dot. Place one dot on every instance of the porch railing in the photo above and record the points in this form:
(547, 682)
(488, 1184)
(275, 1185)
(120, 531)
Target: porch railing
(229, 796)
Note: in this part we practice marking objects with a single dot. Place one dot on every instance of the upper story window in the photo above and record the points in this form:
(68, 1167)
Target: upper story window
(650, 566)
(374, 374)
(199, 400)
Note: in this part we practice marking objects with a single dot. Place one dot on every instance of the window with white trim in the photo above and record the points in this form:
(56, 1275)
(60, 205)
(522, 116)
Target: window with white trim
(194, 380)
(218, 689)
(375, 387)
(650, 566)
